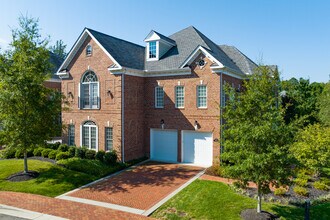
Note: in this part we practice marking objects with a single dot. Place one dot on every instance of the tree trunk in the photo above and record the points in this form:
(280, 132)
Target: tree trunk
(259, 200)
(25, 162)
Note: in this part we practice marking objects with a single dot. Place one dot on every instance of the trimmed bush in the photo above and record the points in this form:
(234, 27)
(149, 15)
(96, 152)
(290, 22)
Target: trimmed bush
(52, 154)
(280, 191)
(37, 151)
(302, 191)
(301, 182)
(45, 152)
(80, 152)
(90, 154)
(63, 148)
(100, 155)
(53, 146)
(321, 185)
(19, 154)
(62, 155)
(8, 153)
(72, 151)
(110, 157)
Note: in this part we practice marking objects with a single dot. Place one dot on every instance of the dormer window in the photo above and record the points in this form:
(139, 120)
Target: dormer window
(152, 49)
(89, 50)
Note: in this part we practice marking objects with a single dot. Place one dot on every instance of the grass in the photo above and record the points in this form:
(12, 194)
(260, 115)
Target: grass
(53, 180)
(212, 200)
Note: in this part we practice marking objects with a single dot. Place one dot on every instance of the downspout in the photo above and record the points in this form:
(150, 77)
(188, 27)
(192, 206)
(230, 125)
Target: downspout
(221, 130)
(123, 117)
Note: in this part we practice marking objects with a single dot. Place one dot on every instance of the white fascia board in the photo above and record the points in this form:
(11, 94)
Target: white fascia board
(152, 36)
(228, 72)
(144, 73)
(77, 46)
(104, 50)
(205, 52)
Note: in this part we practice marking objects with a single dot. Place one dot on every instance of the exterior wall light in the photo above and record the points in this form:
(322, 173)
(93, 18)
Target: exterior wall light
(196, 125)
(162, 123)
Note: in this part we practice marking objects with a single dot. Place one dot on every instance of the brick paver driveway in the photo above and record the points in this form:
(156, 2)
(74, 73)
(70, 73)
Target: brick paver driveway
(140, 188)
(62, 208)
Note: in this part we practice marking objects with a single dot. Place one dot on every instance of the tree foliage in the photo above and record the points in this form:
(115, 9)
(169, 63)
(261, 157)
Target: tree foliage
(312, 147)
(256, 136)
(59, 49)
(28, 110)
(324, 105)
(300, 100)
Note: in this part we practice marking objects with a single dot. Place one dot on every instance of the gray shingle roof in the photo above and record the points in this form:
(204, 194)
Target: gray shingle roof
(165, 38)
(187, 40)
(56, 62)
(245, 64)
(125, 53)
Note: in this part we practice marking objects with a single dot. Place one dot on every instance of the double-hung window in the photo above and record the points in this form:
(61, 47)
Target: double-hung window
(179, 96)
(201, 96)
(71, 135)
(152, 49)
(89, 91)
(89, 135)
(108, 138)
(159, 97)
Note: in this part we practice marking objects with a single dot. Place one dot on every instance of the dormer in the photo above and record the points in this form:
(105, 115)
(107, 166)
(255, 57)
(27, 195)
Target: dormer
(157, 45)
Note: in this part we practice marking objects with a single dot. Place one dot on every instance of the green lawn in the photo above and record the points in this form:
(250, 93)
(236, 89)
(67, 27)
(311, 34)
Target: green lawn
(212, 200)
(52, 181)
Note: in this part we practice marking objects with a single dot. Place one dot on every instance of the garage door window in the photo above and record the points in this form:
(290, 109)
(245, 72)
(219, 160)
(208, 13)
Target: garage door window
(201, 96)
(179, 97)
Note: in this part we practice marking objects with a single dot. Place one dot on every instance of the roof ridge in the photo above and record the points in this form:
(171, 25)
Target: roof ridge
(114, 37)
(246, 57)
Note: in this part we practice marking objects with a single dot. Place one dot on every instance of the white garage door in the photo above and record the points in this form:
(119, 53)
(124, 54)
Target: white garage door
(164, 145)
(197, 148)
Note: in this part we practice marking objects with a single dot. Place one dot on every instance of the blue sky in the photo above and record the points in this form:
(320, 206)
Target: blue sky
(294, 34)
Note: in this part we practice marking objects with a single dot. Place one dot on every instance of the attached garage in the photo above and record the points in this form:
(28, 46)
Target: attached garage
(197, 148)
(164, 145)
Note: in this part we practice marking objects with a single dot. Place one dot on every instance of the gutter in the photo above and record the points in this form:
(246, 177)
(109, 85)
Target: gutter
(123, 118)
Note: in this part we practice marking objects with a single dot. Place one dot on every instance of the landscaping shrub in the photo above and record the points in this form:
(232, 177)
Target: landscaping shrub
(80, 152)
(62, 155)
(53, 146)
(63, 148)
(301, 182)
(45, 152)
(280, 191)
(8, 153)
(37, 151)
(30, 152)
(110, 157)
(72, 151)
(19, 154)
(321, 185)
(325, 180)
(52, 154)
(90, 154)
(100, 155)
(302, 191)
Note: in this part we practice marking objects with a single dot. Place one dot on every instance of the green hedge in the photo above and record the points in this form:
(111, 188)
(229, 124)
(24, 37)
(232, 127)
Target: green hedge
(62, 155)
(45, 152)
(52, 154)
(110, 157)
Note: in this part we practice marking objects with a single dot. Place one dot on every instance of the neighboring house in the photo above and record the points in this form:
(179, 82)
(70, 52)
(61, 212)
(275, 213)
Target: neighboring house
(161, 101)
(54, 82)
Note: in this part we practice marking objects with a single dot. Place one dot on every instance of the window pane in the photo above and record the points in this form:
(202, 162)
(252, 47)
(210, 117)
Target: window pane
(86, 136)
(152, 49)
(86, 95)
(93, 138)
(94, 91)
(108, 139)
(71, 135)
(159, 97)
(179, 96)
(201, 96)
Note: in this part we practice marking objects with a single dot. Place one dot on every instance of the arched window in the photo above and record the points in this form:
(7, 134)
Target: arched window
(89, 50)
(89, 135)
(89, 91)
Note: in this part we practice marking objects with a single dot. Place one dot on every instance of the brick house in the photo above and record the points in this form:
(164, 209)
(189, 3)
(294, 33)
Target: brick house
(161, 101)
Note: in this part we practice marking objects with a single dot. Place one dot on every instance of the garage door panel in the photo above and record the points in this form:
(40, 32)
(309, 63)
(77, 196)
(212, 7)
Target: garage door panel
(164, 145)
(197, 148)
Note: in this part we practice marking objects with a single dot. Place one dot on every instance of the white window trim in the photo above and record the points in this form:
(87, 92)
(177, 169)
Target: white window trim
(156, 106)
(175, 94)
(197, 96)
(157, 51)
(90, 139)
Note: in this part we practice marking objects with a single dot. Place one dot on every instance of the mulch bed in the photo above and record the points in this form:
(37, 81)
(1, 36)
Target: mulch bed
(21, 176)
(251, 214)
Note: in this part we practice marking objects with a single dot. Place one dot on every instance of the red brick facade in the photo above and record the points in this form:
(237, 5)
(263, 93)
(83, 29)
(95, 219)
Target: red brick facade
(135, 105)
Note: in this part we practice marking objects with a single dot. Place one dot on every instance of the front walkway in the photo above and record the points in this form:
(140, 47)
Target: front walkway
(62, 208)
(140, 190)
